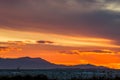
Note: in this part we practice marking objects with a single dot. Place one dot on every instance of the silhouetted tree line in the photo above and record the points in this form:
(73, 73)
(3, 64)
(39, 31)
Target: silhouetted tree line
(44, 77)
(27, 77)
(97, 78)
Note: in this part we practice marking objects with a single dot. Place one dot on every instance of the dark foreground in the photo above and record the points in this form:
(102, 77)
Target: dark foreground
(44, 77)
(60, 74)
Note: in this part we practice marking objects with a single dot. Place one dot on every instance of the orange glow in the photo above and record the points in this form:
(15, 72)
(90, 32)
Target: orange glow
(102, 59)
(57, 39)
(26, 45)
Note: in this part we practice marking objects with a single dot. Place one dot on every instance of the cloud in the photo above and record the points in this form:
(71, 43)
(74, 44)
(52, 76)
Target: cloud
(8, 49)
(45, 42)
(3, 48)
(78, 52)
(112, 5)
(101, 51)
(69, 52)
(69, 5)
(11, 46)
(13, 43)
(25, 38)
(68, 17)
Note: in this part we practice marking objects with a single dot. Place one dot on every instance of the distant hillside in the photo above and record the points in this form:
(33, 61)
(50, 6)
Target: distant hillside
(88, 66)
(38, 63)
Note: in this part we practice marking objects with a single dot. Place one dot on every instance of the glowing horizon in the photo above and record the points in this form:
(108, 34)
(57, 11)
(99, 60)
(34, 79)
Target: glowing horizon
(66, 32)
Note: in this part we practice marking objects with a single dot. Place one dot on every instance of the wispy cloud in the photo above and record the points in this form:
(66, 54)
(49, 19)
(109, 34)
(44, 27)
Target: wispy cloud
(44, 42)
(56, 39)
(98, 51)
(10, 46)
(8, 49)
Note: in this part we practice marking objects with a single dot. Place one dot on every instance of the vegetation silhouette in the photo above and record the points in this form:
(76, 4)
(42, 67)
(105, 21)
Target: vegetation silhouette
(26, 77)
(96, 78)
(44, 77)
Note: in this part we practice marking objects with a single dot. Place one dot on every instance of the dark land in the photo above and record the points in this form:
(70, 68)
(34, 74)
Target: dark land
(39, 69)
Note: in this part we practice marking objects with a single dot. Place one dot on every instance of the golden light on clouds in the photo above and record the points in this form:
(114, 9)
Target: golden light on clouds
(20, 44)
(60, 40)
(66, 32)
(106, 58)
(113, 7)
(8, 49)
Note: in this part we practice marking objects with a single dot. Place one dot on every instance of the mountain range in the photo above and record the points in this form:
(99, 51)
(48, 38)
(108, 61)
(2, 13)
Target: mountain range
(39, 63)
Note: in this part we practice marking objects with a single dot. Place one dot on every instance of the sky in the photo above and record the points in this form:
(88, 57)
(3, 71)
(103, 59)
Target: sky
(68, 32)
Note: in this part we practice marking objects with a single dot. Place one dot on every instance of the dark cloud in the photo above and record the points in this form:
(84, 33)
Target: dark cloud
(10, 46)
(3, 48)
(99, 51)
(45, 42)
(69, 52)
(90, 51)
(70, 17)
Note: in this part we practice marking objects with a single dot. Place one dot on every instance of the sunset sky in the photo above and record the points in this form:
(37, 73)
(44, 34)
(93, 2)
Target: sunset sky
(66, 32)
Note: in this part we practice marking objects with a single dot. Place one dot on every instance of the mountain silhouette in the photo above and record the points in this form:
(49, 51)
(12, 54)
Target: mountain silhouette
(38, 63)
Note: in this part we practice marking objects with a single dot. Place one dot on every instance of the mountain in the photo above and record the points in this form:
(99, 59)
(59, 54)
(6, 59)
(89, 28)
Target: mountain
(26, 63)
(38, 63)
(88, 66)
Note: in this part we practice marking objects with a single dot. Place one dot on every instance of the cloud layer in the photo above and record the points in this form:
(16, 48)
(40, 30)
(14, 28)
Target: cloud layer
(44, 42)
(73, 17)
(97, 51)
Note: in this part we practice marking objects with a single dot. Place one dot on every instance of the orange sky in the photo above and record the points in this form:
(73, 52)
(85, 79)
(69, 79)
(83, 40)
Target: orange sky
(66, 32)
(60, 49)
